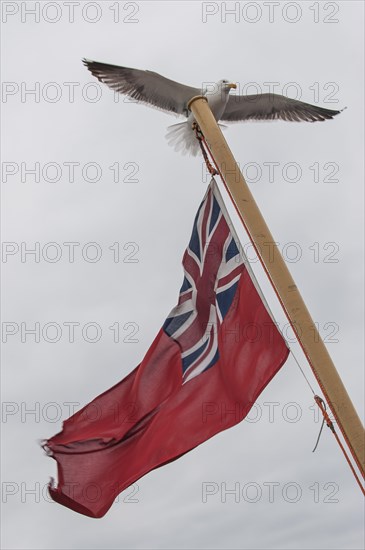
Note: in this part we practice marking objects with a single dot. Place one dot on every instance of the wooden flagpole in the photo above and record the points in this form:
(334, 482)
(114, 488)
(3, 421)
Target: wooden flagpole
(283, 283)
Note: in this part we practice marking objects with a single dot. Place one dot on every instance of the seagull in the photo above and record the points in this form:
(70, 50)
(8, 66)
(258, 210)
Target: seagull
(162, 93)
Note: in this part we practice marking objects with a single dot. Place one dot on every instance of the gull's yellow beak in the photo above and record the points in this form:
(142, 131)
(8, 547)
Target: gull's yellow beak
(232, 85)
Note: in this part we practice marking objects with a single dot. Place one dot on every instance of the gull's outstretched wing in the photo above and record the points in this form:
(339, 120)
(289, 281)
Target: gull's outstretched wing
(271, 107)
(145, 86)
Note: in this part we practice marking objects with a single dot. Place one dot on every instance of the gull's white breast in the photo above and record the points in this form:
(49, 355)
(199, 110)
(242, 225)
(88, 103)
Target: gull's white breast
(217, 100)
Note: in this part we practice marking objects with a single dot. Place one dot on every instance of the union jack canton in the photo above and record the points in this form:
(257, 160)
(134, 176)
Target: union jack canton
(212, 267)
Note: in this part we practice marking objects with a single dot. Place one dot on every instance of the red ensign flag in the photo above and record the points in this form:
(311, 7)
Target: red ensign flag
(215, 353)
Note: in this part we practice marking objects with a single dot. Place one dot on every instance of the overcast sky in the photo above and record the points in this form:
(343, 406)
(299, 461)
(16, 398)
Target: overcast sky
(107, 184)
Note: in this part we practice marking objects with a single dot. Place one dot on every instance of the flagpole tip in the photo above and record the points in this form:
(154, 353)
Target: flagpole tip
(194, 99)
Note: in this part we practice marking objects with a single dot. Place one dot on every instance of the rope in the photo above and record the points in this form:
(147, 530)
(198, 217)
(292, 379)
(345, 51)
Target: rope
(215, 171)
(199, 136)
(321, 404)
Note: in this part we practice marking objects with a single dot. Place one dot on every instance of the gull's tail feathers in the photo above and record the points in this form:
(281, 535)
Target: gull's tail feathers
(181, 137)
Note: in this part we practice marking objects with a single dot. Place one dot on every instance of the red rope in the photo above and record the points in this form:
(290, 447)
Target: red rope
(199, 136)
(322, 406)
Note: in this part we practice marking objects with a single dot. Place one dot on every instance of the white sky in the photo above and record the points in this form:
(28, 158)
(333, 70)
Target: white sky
(152, 219)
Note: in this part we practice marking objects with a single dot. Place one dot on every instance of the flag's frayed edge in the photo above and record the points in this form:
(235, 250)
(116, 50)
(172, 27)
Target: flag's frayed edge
(43, 444)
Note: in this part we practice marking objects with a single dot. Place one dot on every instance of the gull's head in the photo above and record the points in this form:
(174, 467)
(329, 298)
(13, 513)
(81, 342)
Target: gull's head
(226, 86)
